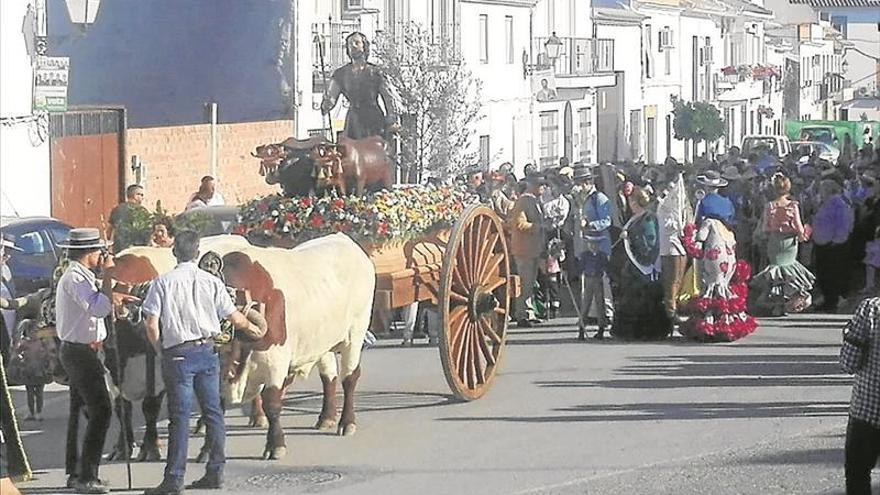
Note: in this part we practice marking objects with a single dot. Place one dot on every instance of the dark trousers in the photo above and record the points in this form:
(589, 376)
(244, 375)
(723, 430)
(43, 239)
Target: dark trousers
(862, 453)
(832, 272)
(88, 392)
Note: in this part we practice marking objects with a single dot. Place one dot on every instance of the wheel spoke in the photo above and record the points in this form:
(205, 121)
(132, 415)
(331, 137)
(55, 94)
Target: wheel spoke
(464, 260)
(492, 265)
(482, 228)
(457, 280)
(500, 311)
(464, 361)
(490, 332)
(456, 297)
(456, 313)
(484, 347)
(487, 248)
(479, 375)
(457, 346)
(495, 284)
(469, 352)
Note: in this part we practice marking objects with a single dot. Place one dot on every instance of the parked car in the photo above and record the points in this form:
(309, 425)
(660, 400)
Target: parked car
(778, 146)
(826, 151)
(37, 238)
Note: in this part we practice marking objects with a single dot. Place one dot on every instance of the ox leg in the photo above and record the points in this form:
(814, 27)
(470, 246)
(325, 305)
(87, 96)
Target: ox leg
(150, 448)
(328, 420)
(276, 448)
(258, 416)
(347, 423)
(126, 432)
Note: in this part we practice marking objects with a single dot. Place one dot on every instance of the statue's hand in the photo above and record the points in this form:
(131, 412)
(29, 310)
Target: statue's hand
(326, 106)
(394, 128)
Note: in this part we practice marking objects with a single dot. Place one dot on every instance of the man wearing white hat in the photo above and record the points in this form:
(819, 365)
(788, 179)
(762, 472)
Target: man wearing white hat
(80, 310)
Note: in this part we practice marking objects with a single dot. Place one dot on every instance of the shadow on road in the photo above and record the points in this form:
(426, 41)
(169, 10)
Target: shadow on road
(700, 382)
(676, 411)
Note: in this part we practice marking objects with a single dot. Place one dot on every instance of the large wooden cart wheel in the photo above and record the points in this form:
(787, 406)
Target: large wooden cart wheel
(475, 292)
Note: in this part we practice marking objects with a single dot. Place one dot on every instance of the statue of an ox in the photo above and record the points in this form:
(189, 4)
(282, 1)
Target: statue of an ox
(304, 167)
(318, 300)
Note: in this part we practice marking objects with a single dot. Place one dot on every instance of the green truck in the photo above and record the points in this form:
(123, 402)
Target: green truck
(832, 132)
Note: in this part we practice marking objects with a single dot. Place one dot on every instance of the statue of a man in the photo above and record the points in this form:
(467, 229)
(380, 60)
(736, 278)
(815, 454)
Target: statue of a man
(362, 83)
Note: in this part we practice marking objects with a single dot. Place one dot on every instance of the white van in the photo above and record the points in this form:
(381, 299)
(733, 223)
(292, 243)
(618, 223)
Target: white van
(778, 145)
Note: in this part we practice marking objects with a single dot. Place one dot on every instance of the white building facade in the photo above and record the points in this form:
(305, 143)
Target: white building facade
(24, 145)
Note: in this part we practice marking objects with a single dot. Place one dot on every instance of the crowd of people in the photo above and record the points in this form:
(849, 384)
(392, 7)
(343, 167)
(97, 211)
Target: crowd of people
(699, 248)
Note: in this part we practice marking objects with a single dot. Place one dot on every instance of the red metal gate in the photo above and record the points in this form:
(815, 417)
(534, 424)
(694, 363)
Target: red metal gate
(87, 155)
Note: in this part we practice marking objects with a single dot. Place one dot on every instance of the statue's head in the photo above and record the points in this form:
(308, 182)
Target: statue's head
(357, 47)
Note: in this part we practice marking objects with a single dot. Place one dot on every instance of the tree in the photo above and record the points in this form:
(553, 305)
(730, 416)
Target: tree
(439, 102)
(696, 121)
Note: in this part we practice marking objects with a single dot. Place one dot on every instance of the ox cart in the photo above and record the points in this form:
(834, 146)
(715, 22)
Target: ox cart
(465, 271)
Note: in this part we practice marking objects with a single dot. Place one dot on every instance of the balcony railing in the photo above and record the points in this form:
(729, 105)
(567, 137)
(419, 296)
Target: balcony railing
(577, 56)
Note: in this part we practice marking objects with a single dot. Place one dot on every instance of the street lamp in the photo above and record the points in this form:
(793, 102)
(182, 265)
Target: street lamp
(552, 46)
(83, 12)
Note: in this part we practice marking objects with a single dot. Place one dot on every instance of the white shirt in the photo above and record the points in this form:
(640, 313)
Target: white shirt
(6, 293)
(79, 307)
(673, 213)
(189, 302)
(196, 202)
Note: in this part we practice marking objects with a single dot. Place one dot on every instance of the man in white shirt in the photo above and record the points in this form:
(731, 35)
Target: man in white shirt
(189, 303)
(674, 212)
(80, 310)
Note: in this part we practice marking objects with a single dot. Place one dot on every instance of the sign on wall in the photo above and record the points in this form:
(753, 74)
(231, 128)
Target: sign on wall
(50, 84)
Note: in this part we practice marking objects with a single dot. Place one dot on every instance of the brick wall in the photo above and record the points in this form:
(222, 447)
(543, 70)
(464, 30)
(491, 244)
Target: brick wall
(177, 157)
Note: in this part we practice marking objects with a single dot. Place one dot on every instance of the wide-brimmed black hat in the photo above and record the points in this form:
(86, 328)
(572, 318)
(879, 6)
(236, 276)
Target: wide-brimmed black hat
(711, 178)
(83, 238)
(582, 172)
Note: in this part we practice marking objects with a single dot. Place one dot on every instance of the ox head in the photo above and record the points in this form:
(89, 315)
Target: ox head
(328, 162)
(271, 156)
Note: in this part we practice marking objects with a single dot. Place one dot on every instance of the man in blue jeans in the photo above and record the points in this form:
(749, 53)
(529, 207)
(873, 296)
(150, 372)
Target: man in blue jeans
(188, 304)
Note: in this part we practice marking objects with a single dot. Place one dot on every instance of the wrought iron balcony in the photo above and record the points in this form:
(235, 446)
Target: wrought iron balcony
(576, 57)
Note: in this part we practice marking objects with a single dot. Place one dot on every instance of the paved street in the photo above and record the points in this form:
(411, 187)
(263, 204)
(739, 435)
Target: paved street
(763, 415)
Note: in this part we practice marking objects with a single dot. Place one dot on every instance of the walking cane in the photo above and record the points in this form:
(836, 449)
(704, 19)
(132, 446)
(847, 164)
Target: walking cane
(111, 332)
(319, 40)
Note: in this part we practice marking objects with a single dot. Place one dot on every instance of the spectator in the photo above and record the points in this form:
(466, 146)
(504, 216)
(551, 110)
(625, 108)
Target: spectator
(163, 232)
(832, 226)
(860, 355)
(527, 241)
(207, 195)
(122, 231)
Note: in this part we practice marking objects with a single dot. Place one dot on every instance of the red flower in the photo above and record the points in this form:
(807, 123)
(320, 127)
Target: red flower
(262, 206)
(289, 217)
(383, 228)
(268, 224)
(720, 305)
(305, 202)
(239, 229)
(316, 221)
(743, 272)
(338, 203)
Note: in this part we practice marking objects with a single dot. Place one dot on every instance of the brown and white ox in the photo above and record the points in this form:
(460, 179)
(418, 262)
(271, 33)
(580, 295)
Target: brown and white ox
(318, 301)
(141, 369)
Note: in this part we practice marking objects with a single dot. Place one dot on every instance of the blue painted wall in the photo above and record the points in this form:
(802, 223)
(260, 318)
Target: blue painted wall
(164, 59)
